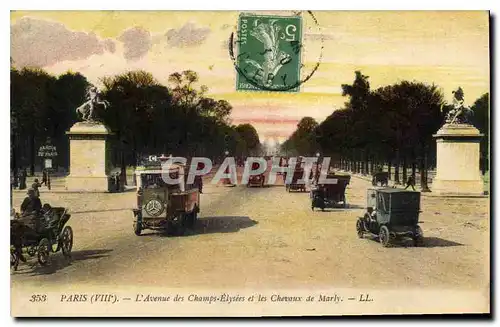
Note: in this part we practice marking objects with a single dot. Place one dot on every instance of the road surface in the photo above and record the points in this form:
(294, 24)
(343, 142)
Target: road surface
(264, 237)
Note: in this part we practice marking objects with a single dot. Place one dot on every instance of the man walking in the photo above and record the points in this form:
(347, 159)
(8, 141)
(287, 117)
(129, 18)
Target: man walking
(410, 182)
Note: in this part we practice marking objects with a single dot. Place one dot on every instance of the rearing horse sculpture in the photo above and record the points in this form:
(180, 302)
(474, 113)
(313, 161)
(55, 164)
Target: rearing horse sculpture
(87, 110)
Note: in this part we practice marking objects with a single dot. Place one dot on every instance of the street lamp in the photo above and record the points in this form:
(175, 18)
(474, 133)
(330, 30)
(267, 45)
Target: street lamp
(226, 153)
(317, 165)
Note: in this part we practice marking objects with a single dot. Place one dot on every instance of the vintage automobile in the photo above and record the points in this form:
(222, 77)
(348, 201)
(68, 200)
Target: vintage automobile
(163, 206)
(330, 195)
(391, 214)
(256, 180)
(282, 162)
(295, 183)
(40, 235)
(381, 177)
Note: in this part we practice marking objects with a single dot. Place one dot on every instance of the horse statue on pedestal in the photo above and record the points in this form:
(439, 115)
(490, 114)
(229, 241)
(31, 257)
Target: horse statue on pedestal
(460, 114)
(87, 110)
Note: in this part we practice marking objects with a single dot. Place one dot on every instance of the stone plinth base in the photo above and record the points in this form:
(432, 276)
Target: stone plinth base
(89, 158)
(87, 183)
(457, 171)
(457, 187)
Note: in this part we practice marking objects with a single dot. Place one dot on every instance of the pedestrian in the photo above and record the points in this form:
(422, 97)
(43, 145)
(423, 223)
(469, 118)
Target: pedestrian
(15, 179)
(44, 177)
(117, 182)
(410, 182)
(198, 180)
(22, 179)
(35, 187)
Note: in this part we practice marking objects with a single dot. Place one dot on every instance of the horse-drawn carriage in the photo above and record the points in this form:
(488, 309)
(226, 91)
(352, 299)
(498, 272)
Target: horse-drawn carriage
(40, 234)
(381, 177)
(331, 194)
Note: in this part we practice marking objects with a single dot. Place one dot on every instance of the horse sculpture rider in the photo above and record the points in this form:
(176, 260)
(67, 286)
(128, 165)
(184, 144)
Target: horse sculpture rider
(87, 109)
(460, 114)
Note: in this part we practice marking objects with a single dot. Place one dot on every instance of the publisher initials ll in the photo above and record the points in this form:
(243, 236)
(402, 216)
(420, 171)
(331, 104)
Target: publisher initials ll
(365, 298)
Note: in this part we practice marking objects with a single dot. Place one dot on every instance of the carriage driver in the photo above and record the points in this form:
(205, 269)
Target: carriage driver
(31, 204)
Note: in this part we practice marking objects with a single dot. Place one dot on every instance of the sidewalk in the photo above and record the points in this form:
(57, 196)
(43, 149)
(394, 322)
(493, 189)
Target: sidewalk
(58, 183)
(418, 188)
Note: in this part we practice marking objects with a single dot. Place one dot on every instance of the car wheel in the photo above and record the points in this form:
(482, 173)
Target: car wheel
(359, 228)
(137, 228)
(384, 236)
(418, 240)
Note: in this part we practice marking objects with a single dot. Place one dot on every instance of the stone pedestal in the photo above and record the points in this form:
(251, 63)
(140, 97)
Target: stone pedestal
(457, 171)
(89, 158)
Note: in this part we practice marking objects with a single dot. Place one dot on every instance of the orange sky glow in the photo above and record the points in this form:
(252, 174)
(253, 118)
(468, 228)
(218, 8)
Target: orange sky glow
(447, 48)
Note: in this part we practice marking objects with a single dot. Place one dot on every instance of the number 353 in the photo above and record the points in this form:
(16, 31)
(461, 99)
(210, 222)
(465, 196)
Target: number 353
(38, 298)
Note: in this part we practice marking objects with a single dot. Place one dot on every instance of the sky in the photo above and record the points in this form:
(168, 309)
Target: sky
(446, 48)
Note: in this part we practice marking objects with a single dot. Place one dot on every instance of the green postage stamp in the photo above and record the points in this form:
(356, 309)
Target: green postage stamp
(269, 52)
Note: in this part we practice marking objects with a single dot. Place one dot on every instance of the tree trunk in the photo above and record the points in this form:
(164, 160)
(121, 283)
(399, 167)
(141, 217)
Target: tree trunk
(371, 167)
(422, 172)
(396, 170)
(405, 170)
(123, 168)
(32, 154)
(413, 170)
(367, 165)
(389, 168)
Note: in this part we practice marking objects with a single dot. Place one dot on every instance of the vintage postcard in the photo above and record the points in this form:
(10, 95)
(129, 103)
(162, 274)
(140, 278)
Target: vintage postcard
(249, 163)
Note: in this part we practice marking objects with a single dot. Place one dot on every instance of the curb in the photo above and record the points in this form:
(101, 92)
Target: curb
(434, 195)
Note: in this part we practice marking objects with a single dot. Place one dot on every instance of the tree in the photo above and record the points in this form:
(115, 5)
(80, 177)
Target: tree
(137, 101)
(481, 121)
(249, 137)
(31, 92)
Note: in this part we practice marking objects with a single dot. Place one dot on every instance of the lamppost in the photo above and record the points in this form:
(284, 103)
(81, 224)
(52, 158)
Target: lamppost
(227, 181)
(317, 165)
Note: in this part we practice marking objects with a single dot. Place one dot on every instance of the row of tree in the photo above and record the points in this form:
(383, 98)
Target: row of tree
(392, 125)
(144, 115)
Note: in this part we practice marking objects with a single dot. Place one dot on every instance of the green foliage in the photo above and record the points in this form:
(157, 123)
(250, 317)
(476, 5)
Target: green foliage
(145, 116)
(393, 120)
(481, 121)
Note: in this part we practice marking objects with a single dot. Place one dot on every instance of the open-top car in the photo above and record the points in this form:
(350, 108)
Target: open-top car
(391, 214)
(165, 206)
(40, 234)
(330, 195)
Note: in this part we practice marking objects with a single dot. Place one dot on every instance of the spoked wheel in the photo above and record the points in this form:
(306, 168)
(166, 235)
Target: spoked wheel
(418, 240)
(14, 259)
(32, 251)
(66, 240)
(191, 219)
(359, 228)
(43, 251)
(384, 237)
